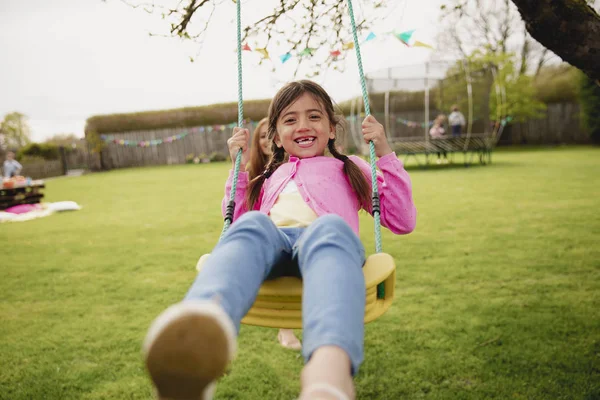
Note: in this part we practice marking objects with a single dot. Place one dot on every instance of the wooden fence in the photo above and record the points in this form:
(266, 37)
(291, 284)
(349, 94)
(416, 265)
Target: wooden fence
(560, 125)
(197, 143)
(43, 169)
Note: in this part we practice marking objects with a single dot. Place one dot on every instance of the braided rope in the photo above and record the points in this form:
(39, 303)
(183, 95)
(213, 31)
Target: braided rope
(363, 85)
(238, 158)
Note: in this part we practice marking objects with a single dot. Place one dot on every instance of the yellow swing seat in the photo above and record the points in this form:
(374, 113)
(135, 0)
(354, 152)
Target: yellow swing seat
(279, 301)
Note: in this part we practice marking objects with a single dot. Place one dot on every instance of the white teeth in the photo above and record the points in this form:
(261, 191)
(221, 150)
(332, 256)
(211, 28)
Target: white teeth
(307, 140)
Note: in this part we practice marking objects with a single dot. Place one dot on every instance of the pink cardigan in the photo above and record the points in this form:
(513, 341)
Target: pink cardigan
(323, 185)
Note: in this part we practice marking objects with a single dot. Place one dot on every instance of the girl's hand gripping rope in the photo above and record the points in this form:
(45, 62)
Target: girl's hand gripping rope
(239, 140)
(373, 130)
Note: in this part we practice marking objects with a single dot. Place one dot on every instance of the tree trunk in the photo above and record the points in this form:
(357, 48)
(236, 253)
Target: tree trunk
(570, 28)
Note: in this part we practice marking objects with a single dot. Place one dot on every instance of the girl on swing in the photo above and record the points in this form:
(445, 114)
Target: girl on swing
(298, 217)
(260, 150)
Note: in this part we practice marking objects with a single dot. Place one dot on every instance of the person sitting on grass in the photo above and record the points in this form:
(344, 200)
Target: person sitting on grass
(298, 217)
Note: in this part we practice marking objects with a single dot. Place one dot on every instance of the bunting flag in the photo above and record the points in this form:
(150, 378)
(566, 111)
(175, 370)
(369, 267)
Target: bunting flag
(263, 52)
(335, 53)
(370, 37)
(405, 37)
(412, 124)
(285, 57)
(144, 143)
(421, 44)
(307, 52)
(174, 138)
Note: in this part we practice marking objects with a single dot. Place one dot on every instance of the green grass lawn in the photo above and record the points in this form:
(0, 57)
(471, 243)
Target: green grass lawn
(498, 287)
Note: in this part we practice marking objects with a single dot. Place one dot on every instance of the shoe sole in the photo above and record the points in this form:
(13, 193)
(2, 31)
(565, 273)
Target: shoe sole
(187, 349)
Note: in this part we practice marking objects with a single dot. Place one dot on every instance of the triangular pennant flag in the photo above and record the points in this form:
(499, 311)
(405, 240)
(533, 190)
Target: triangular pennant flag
(264, 52)
(246, 47)
(285, 57)
(307, 52)
(421, 44)
(335, 53)
(405, 36)
(348, 46)
(371, 36)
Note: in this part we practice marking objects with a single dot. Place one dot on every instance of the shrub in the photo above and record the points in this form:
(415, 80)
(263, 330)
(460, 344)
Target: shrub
(47, 151)
(556, 84)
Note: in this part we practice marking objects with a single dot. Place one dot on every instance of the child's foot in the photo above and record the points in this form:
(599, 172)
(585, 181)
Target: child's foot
(187, 348)
(288, 340)
(323, 391)
(327, 376)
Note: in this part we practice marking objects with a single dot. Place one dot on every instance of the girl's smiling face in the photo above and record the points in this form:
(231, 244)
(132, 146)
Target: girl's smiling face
(303, 128)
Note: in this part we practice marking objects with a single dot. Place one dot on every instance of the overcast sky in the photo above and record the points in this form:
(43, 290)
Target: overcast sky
(63, 61)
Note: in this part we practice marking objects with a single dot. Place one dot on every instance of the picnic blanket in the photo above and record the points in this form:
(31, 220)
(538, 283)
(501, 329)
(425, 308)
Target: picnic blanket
(27, 212)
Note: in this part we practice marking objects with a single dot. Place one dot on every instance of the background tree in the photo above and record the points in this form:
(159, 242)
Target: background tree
(14, 131)
(498, 89)
(589, 98)
(67, 140)
(491, 26)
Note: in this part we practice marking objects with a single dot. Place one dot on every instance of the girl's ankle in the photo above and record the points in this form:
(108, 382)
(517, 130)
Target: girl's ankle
(328, 366)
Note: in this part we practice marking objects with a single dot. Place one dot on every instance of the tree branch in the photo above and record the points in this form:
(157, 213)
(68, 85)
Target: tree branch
(299, 23)
(570, 28)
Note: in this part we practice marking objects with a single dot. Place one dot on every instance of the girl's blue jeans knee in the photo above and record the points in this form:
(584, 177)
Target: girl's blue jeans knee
(328, 255)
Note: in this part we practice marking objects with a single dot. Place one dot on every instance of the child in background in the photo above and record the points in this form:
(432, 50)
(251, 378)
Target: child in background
(457, 121)
(259, 156)
(437, 132)
(299, 217)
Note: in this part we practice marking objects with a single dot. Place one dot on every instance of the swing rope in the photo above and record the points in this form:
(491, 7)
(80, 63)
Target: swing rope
(363, 85)
(238, 159)
(375, 194)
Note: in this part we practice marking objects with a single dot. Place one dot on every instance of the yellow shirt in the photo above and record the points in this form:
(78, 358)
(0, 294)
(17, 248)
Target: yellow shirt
(290, 210)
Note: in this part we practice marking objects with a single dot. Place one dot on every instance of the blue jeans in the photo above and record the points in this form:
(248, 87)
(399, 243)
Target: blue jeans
(329, 257)
(456, 130)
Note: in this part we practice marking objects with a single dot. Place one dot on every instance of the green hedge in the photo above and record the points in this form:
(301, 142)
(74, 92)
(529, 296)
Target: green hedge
(47, 151)
(223, 113)
(557, 84)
